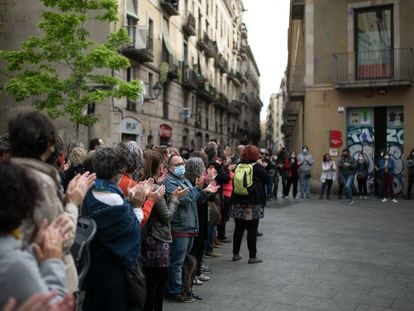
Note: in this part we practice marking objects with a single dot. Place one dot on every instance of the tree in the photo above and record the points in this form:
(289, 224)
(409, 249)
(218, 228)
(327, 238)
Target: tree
(58, 71)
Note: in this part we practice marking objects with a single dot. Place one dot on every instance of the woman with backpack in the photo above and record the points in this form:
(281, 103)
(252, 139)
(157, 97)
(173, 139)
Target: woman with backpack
(248, 200)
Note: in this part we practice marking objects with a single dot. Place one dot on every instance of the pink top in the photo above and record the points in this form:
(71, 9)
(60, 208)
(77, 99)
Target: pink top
(228, 188)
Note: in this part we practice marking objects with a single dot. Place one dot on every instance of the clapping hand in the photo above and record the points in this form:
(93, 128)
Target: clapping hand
(212, 188)
(78, 187)
(138, 194)
(42, 302)
(49, 245)
(211, 174)
(180, 192)
(200, 182)
(157, 194)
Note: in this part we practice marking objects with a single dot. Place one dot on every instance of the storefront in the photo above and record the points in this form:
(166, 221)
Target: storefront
(165, 134)
(131, 129)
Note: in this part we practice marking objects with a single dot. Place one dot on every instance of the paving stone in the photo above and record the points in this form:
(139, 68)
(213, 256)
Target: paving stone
(327, 304)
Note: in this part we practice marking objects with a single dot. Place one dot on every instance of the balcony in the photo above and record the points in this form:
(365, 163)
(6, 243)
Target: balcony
(140, 47)
(243, 52)
(174, 65)
(235, 107)
(243, 31)
(207, 92)
(222, 102)
(208, 46)
(191, 79)
(170, 7)
(296, 83)
(189, 25)
(298, 8)
(221, 63)
(381, 68)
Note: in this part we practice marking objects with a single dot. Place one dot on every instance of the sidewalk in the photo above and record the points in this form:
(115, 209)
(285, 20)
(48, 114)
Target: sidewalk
(318, 255)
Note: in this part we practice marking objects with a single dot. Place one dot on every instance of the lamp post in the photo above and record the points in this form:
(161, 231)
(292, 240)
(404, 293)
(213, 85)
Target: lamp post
(156, 91)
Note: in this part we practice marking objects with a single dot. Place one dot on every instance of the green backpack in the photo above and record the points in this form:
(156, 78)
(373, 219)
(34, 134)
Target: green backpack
(243, 179)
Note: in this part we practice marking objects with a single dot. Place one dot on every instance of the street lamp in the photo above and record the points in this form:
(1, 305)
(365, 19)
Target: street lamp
(156, 90)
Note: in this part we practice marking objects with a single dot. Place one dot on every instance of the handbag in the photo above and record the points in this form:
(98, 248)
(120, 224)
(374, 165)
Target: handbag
(136, 287)
(214, 213)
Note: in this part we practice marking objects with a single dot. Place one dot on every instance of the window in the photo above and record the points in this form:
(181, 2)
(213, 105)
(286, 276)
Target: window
(374, 43)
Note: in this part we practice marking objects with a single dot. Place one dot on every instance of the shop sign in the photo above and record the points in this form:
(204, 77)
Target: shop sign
(130, 126)
(335, 139)
(165, 131)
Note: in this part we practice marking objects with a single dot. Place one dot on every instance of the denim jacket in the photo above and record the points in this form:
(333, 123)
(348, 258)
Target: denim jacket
(185, 219)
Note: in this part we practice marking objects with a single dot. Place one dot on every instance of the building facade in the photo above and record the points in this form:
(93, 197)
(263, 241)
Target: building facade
(192, 57)
(275, 119)
(349, 80)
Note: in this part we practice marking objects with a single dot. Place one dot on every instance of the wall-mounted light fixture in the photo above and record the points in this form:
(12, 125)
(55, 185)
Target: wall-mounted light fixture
(156, 91)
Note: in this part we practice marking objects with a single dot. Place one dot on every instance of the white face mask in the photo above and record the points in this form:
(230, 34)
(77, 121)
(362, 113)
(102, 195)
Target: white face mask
(361, 158)
(386, 157)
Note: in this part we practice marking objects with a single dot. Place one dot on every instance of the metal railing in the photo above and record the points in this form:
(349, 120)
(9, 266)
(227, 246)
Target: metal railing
(296, 79)
(388, 64)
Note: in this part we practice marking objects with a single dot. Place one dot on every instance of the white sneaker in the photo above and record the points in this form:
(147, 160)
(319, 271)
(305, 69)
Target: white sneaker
(196, 281)
(394, 200)
(384, 200)
(351, 203)
(203, 277)
(365, 197)
(360, 196)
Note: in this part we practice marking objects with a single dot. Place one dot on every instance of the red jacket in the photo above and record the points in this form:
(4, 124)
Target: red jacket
(292, 169)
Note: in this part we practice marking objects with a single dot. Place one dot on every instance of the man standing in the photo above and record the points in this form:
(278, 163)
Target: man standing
(305, 162)
(184, 225)
(347, 166)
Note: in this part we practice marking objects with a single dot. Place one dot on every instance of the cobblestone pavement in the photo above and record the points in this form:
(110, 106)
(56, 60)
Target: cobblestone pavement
(318, 255)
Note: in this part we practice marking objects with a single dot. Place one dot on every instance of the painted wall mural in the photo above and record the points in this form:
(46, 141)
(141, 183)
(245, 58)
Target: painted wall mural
(361, 139)
(395, 144)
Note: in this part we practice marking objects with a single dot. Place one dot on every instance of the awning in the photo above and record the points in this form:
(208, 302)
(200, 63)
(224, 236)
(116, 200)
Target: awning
(173, 49)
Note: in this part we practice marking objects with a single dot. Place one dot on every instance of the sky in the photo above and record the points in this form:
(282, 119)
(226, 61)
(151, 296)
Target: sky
(267, 24)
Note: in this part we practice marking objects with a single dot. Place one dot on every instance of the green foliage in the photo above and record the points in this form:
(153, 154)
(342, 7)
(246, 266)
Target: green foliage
(64, 70)
(164, 68)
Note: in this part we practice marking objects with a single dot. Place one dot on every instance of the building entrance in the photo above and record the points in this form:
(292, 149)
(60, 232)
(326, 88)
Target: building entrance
(372, 130)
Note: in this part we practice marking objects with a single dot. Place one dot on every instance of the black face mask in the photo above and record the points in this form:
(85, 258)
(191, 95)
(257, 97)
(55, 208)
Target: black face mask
(52, 159)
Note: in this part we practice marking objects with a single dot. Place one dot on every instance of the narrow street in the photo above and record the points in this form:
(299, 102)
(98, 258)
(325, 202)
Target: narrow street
(319, 255)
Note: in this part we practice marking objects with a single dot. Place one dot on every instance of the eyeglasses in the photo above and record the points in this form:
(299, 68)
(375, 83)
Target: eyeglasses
(177, 164)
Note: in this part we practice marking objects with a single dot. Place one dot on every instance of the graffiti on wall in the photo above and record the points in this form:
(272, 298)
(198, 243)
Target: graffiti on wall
(361, 139)
(395, 144)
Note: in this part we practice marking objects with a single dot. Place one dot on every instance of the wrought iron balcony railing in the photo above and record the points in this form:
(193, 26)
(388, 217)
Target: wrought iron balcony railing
(373, 68)
(140, 47)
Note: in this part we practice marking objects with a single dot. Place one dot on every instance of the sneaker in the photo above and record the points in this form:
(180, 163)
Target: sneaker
(259, 233)
(213, 254)
(384, 200)
(224, 240)
(350, 203)
(286, 197)
(255, 260)
(360, 196)
(179, 298)
(197, 281)
(365, 197)
(236, 257)
(206, 269)
(203, 277)
(394, 200)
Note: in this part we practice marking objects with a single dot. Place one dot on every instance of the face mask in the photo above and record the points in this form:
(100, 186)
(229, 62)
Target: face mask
(361, 159)
(386, 157)
(293, 156)
(382, 154)
(305, 150)
(179, 171)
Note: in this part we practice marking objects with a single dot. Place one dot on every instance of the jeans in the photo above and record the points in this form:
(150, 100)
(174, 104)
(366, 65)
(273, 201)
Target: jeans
(327, 185)
(275, 185)
(388, 187)
(210, 238)
(269, 187)
(362, 186)
(179, 249)
(251, 226)
(304, 184)
(349, 181)
(410, 185)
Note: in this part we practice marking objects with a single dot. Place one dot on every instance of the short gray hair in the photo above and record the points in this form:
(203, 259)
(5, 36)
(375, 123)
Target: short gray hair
(194, 168)
(132, 155)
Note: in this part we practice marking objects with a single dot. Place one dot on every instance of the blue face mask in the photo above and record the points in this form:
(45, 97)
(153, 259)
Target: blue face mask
(179, 171)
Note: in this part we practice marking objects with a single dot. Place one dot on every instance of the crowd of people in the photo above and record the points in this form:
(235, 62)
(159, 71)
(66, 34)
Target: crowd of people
(160, 209)
(350, 171)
